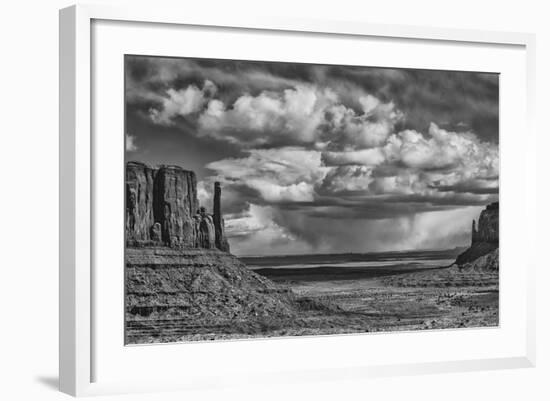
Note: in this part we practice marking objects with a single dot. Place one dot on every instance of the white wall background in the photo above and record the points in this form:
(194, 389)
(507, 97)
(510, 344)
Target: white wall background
(29, 199)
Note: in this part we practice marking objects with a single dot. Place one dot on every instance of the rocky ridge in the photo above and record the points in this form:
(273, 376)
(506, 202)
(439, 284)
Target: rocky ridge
(203, 283)
(185, 294)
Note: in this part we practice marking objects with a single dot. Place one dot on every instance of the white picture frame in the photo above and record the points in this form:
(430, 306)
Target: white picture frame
(78, 371)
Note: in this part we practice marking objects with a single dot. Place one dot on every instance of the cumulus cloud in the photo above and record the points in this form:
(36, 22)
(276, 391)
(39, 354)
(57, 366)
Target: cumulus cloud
(305, 114)
(368, 129)
(442, 149)
(252, 221)
(181, 103)
(292, 116)
(131, 143)
(389, 197)
(453, 99)
(412, 163)
(286, 174)
(256, 229)
(300, 115)
(441, 167)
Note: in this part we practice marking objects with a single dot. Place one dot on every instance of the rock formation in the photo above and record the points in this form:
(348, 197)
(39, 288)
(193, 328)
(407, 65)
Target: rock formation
(181, 281)
(486, 263)
(172, 283)
(485, 239)
(487, 230)
(162, 208)
(205, 233)
(139, 201)
(221, 240)
(181, 294)
(174, 203)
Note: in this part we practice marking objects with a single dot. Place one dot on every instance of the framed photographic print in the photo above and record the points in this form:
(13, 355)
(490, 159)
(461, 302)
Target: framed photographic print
(342, 195)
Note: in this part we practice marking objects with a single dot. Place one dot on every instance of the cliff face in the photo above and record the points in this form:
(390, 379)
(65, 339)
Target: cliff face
(175, 203)
(487, 230)
(162, 209)
(139, 201)
(485, 239)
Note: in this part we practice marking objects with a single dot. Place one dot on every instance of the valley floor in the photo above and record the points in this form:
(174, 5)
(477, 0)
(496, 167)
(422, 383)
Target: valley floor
(430, 299)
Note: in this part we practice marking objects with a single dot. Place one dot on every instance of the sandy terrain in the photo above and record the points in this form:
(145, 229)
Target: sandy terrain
(433, 299)
(429, 299)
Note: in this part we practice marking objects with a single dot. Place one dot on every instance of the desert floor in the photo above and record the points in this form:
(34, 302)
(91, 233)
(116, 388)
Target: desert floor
(430, 299)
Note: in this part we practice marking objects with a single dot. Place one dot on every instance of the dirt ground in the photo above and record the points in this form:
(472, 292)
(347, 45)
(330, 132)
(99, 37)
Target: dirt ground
(430, 299)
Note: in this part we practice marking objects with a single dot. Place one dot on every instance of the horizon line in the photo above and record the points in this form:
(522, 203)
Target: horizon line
(353, 252)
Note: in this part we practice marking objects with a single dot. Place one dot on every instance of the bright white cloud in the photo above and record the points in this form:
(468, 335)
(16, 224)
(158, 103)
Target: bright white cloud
(303, 114)
(182, 103)
(412, 163)
(283, 174)
(204, 192)
(291, 116)
(255, 219)
(408, 164)
(447, 157)
(131, 143)
(348, 178)
(256, 229)
(367, 130)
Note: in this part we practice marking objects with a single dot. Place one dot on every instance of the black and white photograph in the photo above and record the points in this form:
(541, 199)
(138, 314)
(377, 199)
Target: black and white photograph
(298, 200)
(274, 199)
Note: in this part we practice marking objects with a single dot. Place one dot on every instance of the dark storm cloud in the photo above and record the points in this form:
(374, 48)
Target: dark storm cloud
(302, 150)
(148, 78)
(455, 100)
(478, 188)
(360, 206)
(451, 99)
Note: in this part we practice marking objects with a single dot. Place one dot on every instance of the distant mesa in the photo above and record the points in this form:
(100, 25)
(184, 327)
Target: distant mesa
(162, 208)
(485, 240)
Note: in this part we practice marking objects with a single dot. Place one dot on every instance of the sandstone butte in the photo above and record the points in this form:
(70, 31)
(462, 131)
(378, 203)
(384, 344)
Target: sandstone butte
(179, 271)
(483, 252)
(162, 209)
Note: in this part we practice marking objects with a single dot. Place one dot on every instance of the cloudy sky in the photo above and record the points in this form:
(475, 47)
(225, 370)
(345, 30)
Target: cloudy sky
(319, 158)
